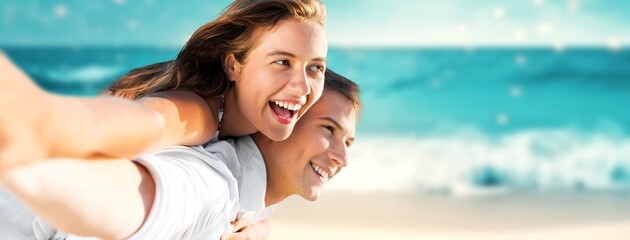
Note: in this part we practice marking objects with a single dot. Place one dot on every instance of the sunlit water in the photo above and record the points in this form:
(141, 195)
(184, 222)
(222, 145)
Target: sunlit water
(452, 121)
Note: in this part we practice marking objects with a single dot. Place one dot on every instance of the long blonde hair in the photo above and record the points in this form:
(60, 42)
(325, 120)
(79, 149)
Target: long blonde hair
(199, 65)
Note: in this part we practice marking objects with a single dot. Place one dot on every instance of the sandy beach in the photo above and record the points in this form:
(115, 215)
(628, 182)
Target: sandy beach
(339, 215)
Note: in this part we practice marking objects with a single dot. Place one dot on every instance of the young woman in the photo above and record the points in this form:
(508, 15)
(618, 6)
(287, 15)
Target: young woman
(258, 67)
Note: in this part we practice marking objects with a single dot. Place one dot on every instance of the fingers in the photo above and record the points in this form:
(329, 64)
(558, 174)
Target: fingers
(236, 236)
(242, 230)
(238, 225)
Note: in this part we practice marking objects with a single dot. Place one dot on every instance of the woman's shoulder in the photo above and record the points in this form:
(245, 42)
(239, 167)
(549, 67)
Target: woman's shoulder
(198, 116)
(184, 98)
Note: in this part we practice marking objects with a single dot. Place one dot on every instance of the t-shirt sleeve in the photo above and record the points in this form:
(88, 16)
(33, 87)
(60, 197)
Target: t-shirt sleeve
(192, 199)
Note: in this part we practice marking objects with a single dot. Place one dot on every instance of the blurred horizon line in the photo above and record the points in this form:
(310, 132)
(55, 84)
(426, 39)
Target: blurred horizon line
(337, 46)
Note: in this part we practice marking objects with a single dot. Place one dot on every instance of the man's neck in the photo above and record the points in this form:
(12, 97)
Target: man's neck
(273, 194)
(272, 197)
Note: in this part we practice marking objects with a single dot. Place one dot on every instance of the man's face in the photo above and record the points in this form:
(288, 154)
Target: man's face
(315, 151)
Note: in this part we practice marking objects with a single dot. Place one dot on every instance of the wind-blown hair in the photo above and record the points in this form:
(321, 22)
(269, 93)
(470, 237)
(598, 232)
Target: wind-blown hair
(199, 65)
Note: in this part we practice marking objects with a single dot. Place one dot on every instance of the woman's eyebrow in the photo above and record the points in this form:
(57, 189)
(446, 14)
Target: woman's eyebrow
(291, 55)
(281, 53)
(319, 59)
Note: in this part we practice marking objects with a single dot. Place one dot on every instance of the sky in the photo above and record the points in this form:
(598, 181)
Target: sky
(467, 23)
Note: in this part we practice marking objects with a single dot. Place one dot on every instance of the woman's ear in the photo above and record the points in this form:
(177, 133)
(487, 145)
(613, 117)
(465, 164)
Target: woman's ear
(231, 67)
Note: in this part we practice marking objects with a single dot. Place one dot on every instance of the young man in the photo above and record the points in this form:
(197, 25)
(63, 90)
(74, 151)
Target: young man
(190, 193)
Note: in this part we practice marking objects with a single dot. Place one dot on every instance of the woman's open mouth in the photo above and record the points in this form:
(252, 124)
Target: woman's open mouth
(284, 112)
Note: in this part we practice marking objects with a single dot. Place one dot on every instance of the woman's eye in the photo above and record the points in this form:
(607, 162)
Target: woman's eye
(317, 68)
(282, 62)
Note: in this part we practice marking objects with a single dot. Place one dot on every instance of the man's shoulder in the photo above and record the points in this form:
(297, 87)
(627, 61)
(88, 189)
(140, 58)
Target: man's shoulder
(188, 159)
(247, 150)
(221, 146)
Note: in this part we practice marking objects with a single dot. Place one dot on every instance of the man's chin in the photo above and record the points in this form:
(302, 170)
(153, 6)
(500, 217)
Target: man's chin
(313, 196)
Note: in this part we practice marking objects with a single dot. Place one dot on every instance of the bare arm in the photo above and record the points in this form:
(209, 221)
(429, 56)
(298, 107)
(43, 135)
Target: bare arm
(103, 198)
(113, 126)
(37, 125)
(115, 198)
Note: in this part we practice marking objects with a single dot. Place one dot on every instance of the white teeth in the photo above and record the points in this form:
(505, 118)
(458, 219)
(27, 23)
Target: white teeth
(321, 172)
(292, 107)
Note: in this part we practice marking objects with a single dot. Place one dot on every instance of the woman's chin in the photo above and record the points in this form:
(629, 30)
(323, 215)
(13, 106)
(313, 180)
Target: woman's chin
(279, 134)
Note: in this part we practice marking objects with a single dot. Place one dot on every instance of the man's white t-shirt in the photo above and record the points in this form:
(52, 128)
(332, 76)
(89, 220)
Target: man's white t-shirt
(197, 191)
(15, 218)
(224, 179)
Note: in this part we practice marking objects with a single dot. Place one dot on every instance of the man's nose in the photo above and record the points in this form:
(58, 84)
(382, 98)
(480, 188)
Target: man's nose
(339, 154)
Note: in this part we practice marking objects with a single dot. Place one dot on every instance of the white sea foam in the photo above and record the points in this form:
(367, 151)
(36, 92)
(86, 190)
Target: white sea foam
(474, 163)
(86, 74)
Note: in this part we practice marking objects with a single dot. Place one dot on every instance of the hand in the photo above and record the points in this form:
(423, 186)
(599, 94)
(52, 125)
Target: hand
(242, 230)
(23, 117)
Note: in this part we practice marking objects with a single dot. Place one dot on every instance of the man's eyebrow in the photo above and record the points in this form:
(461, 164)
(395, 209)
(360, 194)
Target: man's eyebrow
(351, 140)
(333, 121)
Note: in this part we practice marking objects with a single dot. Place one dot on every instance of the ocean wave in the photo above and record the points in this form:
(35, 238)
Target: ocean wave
(87, 80)
(83, 74)
(473, 164)
(63, 74)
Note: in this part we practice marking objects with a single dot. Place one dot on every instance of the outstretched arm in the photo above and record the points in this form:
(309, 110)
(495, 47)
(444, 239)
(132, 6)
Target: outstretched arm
(37, 125)
(153, 197)
(108, 199)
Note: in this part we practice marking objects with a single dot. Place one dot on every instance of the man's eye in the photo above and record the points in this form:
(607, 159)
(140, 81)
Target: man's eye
(331, 129)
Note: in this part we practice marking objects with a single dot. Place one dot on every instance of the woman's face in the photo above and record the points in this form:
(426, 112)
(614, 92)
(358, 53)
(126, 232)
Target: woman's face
(282, 76)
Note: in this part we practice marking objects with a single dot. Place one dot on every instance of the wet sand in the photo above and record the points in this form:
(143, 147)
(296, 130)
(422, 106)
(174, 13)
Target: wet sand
(338, 215)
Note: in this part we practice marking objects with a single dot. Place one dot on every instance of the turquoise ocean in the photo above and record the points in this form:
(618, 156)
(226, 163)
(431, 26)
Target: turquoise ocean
(442, 120)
